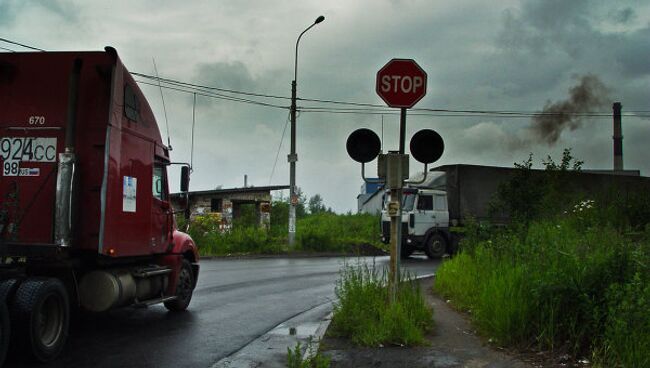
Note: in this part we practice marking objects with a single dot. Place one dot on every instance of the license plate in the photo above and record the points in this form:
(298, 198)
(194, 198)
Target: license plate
(15, 150)
(28, 149)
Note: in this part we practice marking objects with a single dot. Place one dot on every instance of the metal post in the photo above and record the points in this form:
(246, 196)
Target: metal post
(396, 216)
(395, 224)
(293, 157)
(618, 137)
(402, 130)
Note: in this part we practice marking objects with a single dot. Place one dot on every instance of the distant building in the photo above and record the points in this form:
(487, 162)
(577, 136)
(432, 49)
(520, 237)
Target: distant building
(225, 204)
(370, 199)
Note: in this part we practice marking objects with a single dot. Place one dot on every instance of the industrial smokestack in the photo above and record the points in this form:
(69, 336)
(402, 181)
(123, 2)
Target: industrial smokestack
(245, 181)
(618, 137)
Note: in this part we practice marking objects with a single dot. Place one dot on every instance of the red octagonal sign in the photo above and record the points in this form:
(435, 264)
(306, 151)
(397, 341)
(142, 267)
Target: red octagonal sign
(401, 83)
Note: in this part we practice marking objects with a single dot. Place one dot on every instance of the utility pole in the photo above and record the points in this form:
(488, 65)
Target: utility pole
(293, 156)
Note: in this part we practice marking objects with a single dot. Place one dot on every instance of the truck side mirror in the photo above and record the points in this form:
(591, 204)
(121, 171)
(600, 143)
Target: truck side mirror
(185, 178)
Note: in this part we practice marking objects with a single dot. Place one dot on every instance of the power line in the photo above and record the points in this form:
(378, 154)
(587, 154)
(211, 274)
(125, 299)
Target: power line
(216, 95)
(361, 108)
(6, 49)
(20, 44)
(452, 114)
(277, 154)
(198, 86)
(372, 109)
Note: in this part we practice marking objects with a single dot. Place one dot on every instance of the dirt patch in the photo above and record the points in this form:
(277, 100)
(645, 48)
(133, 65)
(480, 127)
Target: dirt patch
(452, 343)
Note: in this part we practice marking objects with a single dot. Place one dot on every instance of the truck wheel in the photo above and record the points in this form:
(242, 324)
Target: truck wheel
(184, 288)
(435, 246)
(41, 313)
(5, 331)
(6, 290)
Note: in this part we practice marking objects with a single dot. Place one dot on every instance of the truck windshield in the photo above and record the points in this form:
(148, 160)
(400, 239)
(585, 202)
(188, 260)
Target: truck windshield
(407, 201)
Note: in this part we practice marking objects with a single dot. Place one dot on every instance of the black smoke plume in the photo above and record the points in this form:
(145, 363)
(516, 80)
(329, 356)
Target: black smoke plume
(586, 97)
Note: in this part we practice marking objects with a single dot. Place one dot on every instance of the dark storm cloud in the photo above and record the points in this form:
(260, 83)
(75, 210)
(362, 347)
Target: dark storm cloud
(230, 75)
(623, 16)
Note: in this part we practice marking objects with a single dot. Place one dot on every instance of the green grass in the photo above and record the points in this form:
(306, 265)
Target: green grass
(322, 232)
(295, 359)
(571, 283)
(364, 315)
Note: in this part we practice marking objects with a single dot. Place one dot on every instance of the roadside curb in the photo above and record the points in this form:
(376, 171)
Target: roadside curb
(270, 349)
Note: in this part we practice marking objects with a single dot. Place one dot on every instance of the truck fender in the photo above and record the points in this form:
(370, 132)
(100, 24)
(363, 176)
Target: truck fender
(183, 248)
(183, 244)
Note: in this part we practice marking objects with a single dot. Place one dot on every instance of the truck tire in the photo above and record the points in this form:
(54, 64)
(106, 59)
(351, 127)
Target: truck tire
(5, 331)
(41, 314)
(435, 246)
(184, 288)
(7, 287)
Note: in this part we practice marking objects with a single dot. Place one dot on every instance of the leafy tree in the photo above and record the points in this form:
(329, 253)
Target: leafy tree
(529, 194)
(316, 205)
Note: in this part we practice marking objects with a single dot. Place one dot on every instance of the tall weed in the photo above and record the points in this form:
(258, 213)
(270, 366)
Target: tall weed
(571, 282)
(364, 314)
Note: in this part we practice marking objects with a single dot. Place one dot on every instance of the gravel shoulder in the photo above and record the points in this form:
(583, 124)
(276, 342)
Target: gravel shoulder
(452, 343)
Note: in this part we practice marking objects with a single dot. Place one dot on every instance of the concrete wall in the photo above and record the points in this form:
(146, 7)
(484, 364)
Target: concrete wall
(201, 205)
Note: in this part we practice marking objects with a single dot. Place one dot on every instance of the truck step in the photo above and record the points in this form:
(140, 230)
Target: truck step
(150, 302)
(151, 272)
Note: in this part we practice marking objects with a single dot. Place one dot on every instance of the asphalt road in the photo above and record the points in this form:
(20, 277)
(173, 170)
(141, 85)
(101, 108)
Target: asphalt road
(235, 302)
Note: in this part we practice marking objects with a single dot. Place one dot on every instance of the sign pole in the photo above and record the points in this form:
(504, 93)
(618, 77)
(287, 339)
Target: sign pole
(402, 130)
(395, 233)
(397, 194)
(400, 83)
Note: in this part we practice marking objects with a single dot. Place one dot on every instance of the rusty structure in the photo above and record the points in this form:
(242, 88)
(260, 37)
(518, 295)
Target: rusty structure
(225, 205)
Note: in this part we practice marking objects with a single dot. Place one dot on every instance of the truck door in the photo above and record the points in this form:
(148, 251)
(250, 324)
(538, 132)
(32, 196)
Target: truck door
(440, 212)
(161, 221)
(423, 214)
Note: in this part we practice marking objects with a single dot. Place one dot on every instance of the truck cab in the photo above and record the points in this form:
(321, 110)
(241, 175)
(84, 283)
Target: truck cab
(425, 222)
(85, 217)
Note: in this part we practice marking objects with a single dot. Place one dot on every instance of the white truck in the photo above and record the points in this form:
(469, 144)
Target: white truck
(435, 211)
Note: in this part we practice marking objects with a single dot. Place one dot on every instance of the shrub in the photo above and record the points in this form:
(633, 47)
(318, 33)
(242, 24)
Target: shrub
(295, 359)
(364, 315)
(571, 282)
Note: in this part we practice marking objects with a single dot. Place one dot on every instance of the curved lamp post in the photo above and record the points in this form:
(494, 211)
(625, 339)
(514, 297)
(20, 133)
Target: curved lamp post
(293, 157)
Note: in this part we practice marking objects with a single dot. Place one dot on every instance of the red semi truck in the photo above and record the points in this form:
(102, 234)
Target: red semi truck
(85, 218)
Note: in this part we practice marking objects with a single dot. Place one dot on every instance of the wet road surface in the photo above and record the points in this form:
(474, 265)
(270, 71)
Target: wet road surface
(235, 302)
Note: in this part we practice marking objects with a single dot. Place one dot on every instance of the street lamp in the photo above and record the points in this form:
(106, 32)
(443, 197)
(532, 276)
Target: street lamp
(293, 156)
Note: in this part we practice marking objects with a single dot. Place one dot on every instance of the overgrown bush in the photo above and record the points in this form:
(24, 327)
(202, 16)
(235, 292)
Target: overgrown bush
(363, 312)
(321, 232)
(572, 283)
(327, 231)
(295, 359)
(570, 273)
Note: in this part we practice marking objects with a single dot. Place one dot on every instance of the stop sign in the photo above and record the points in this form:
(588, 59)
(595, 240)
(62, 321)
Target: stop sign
(401, 83)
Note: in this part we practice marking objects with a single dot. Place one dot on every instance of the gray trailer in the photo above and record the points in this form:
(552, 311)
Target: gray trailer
(435, 211)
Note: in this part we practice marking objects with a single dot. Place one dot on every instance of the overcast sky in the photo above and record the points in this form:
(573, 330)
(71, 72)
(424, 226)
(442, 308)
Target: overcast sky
(479, 55)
